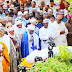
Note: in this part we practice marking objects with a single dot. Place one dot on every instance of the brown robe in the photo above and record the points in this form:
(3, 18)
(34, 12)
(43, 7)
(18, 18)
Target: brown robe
(69, 36)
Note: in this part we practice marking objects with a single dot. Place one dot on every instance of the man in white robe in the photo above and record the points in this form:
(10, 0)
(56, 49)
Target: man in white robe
(19, 28)
(33, 22)
(30, 42)
(45, 33)
(60, 25)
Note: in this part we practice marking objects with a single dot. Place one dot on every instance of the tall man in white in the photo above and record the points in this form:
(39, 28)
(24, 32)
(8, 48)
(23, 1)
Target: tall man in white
(45, 33)
(60, 26)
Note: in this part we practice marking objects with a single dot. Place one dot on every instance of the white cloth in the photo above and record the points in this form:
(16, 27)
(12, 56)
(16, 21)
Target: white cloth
(6, 40)
(42, 53)
(65, 12)
(19, 30)
(61, 39)
(37, 30)
(26, 12)
(44, 34)
(36, 41)
(31, 27)
(18, 22)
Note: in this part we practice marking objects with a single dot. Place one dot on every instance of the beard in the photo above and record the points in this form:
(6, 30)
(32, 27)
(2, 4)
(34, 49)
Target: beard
(26, 18)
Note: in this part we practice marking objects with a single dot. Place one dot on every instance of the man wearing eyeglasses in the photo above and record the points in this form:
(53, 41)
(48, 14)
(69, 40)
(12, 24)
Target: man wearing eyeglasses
(60, 25)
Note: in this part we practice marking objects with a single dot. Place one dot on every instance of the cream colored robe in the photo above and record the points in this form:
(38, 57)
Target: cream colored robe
(61, 39)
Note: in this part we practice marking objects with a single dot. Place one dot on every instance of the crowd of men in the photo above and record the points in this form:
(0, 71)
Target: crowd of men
(28, 27)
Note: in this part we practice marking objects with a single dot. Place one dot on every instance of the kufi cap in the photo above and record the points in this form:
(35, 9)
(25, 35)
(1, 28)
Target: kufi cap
(45, 21)
(18, 22)
(26, 12)
(4, 6)
(57, 3)
(33, 21)
(20, 13)
(31, 27)
(12, 7)
(10, 29)
(61, 12)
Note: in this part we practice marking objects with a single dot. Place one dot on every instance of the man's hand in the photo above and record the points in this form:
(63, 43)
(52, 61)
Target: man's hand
(16, 47)
(62, 32)
(31, 40)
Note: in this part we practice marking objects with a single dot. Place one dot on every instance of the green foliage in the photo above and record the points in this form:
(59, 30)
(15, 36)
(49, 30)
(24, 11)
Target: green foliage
(60, 63)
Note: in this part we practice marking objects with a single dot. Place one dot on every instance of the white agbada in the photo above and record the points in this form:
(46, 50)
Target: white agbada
(61, 39)
(42, 53)
(36, 41)
(19, 31)
(44, 34)
(34, 36)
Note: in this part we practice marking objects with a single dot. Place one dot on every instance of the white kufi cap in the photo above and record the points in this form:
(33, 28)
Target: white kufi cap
(45, 21)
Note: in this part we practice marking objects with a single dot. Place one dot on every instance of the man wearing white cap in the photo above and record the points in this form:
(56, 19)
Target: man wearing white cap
(60, 26)
(45, 33)
(61, 12)
(20, 17)
(26, 17)
(30, 42)
(33, 22)
(19, 28)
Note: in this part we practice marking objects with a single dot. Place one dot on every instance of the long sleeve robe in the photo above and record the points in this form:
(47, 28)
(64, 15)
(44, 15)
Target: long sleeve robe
(61, 38)
(26, 45)
(44, 34)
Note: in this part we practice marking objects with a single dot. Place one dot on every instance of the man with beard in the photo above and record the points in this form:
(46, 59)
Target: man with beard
(60, 26)
(26, 16)
(69, 27)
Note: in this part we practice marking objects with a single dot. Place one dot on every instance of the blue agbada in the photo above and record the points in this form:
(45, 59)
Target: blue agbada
(24, 45)
(39, 25)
